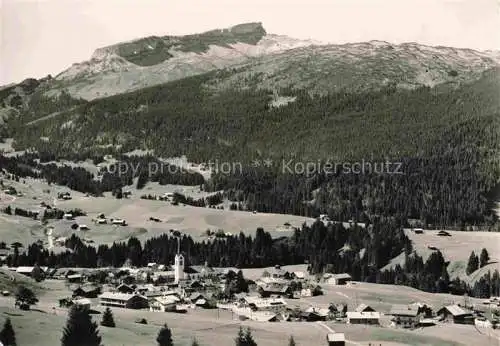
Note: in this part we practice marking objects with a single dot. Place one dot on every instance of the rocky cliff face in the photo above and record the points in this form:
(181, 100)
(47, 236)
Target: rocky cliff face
(154, 60)
(269, 61)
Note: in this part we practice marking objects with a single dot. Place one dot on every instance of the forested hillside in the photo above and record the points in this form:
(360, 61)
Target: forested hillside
(446, 138)
(186, 117)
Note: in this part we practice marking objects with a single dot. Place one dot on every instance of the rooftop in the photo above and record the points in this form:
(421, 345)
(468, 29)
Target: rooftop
(338, 276)
(167, 300)
(335, 337)
(83, 301)
(118, 296)
(362, 307)
(363, 315)
(456, 310)
(403, 310)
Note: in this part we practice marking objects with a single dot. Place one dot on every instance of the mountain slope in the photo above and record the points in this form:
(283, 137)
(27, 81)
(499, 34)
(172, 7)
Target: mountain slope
(271, 61)
(447, 139)
(433, 109)
(155, 60)
(364, 66)
(187, 117)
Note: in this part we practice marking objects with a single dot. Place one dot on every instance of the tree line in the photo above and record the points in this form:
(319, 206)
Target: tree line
(112, 178)
(361, 252)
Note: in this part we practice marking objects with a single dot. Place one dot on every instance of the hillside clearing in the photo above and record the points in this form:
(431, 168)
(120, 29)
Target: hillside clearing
(457, 250)
(193, 221)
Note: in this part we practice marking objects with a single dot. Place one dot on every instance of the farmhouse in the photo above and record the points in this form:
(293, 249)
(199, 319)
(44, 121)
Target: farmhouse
(455, 314)
(101, 221)
(151, 295)
(299, 275)
(196, 284)
(124, 288)
(275, 289)
(120, 222)
(257, 303)
(369, 317)
(200, 300)
(306, 292)
(311, 316)
(260, 316)
(277, 273)
(143, 289)
(64, 195)
(335, 339)
(166, 276)
(75, 278)
(269, 280)
(337, 279)
(315, 314)
(196, 296)
(87, 291)
(162, 293)
(83, 303)
(405, 316)
(163, 304)
(364, 308)
(123, 300)
(31, 271)
(197, 272)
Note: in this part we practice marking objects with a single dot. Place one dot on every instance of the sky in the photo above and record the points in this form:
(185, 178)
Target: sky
(41, 37)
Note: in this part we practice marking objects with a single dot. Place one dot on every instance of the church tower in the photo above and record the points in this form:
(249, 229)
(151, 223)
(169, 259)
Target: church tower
(179, 268)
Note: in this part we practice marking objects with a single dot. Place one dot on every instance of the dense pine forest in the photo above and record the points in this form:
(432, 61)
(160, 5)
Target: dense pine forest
(446, 140)
(188, 117)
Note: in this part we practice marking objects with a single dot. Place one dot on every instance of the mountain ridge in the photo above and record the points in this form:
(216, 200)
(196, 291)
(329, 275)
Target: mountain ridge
(154, 60)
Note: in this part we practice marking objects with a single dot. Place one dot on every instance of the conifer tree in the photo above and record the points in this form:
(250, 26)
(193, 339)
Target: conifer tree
(240, 338)
(80, 330)
(249, 341)
(165, 337)
(484, 258)
(245, 338)
(7, 335)
(242, 285)
(473, 264)
(107, 319)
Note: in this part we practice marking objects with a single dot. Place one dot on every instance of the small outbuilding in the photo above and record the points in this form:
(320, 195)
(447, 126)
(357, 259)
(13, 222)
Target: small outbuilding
(337, 279)
(335, 339)
(455, 314)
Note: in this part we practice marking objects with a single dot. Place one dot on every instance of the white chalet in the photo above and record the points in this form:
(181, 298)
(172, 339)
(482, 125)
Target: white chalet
(166, 303)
